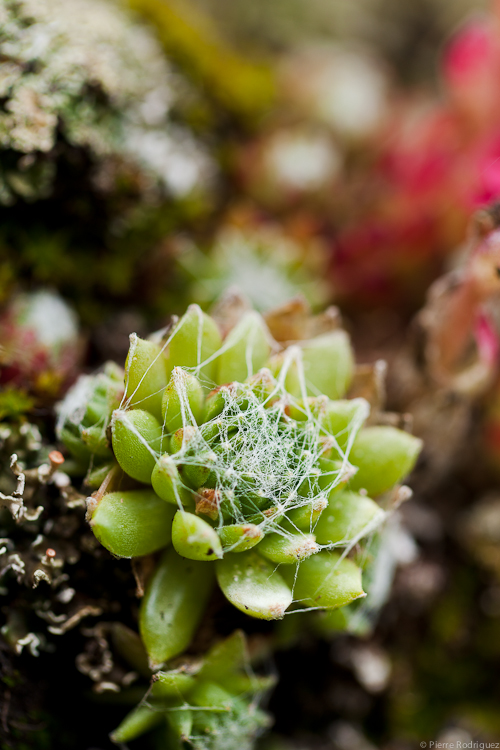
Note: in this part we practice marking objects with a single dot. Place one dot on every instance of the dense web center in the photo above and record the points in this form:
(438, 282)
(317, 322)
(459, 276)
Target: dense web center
(261, 461)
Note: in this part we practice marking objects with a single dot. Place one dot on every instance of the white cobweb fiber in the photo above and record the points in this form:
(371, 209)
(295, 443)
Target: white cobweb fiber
(260, 459)
(262, 463)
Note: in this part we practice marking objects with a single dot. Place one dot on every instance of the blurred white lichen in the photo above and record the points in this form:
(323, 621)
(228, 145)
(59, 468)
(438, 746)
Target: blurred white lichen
(81, 72)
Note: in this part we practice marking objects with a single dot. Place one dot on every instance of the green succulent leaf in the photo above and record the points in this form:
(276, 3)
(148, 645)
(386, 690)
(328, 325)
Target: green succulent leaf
(128, 644)
(137, 440)
(85, 414)
(132, 523)
(384, 456)
(343, 419)
(167, 482)
(173, 604)
(137, 722)
(194, 342)
(225, 658)
(146, 375)
(253, 586)
(174, 684)
(194, 538)
(180, 722)
(246, 349)
(322, 366)
(288, 548)
(325, 580)
(348, 516)
(182, 401)
(239, 537)
(305, 515)
(213, 696)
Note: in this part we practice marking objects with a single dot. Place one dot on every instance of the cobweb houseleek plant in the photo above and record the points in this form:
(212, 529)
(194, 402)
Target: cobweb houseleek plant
(239, 461)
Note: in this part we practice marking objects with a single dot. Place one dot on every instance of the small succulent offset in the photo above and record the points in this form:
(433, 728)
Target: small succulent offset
(242, 462)
(209, 703)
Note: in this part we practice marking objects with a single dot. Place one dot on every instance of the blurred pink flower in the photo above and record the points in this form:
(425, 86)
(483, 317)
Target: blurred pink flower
(435, 163)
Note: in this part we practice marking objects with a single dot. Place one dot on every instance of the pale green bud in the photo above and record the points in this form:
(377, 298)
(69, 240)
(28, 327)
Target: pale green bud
(146, 375)
(167, 482)
(384, 456)
(289, 548)
(194, 538)
(173, 684)
(137, 722)
(348, 516)
(240, 537)
(325, 580)
(323, 365)
(246, 349)
(182, 400)
(196, 339)
(342, 418)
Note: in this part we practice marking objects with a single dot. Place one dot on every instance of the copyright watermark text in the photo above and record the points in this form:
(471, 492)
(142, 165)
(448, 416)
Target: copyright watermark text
(460, 745)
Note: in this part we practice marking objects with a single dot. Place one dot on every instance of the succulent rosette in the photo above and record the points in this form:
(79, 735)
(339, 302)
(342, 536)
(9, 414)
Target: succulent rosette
(243, 462)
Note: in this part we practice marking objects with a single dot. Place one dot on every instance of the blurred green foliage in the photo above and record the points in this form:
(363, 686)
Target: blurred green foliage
(14, 404)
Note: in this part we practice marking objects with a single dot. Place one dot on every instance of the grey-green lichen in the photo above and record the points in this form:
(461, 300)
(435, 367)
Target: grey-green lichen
(81, 73)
